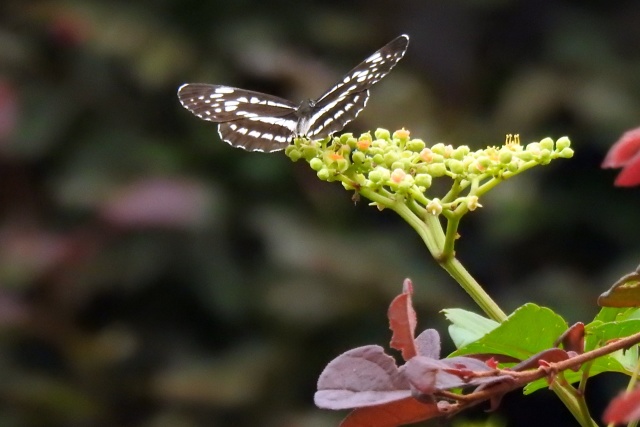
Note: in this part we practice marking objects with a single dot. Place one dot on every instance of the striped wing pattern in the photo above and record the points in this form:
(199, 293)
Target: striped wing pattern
(259, 122)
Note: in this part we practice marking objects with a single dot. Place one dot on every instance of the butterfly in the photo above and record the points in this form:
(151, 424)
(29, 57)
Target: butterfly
(260, 122)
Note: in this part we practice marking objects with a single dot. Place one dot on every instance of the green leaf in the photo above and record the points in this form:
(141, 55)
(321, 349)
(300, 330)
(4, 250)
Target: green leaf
(611, 314)
(466, 326)
(599, 333)
(610, 324)
(527, 331)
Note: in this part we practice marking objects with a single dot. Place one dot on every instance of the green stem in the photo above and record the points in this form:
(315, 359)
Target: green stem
(473, 288)
(575, 403)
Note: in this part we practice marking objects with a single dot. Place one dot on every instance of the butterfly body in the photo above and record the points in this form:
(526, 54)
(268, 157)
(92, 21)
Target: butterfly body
(260, 122)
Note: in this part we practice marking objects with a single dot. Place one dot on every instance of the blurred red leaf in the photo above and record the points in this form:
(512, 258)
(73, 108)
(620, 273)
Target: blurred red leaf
(625, 154)
(159, 202)
(405, 411)
(402, 321)
(623, 409)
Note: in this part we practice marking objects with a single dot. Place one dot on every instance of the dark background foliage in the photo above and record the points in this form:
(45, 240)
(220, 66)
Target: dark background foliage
(151, 275)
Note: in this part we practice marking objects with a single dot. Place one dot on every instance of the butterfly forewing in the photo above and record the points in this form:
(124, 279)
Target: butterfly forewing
(330, 119)
(368, 72)
(218, 103)
(259, 122)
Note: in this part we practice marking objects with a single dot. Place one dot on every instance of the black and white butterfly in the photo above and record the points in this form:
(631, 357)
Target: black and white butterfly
(259, 122)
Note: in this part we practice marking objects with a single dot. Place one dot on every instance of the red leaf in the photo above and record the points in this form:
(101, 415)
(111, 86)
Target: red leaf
(625, 153)
(573, 338)
(630, 174)
(364, 376)
(405, 411)
(625, 148)
(623, 409)
(402, 321)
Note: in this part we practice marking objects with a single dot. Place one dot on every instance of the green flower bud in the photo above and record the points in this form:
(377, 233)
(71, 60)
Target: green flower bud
(293, 153)
(525, 156)
(437, 170)
(439, 148)
(437, 158)
(346, 137)
(309, 152)
(455, 166)
(390, 157)
(416, 145)
(484, 162)
(545, 156)
(460, 152)
(398, 165)
(379, 174)
(423, 180)
(422, 168)
(324, 174)
(505, 156)
(566, 153)
(365, 136)
(546, 144)
(406, 183)
(563, 143)
(316, 164)
(513, 166)
(382, 134)
(358, 157)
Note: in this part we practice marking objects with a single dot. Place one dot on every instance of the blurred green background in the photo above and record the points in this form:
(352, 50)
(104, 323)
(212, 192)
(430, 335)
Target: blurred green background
(151, 275)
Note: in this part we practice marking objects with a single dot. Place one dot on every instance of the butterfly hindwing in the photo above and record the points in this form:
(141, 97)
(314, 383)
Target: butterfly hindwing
(265, 134)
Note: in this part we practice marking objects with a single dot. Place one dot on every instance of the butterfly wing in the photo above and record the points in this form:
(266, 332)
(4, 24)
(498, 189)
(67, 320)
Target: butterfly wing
(251, 120)
(218, 103)
(334, 115)
(263, 133)
(344, 101)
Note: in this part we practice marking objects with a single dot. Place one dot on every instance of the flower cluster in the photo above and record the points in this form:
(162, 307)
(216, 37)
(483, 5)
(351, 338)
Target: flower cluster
(401, 166)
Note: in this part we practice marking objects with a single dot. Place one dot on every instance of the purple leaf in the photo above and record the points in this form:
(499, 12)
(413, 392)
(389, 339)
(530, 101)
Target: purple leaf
(428, 375)
(364, 376)
(428, 343)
